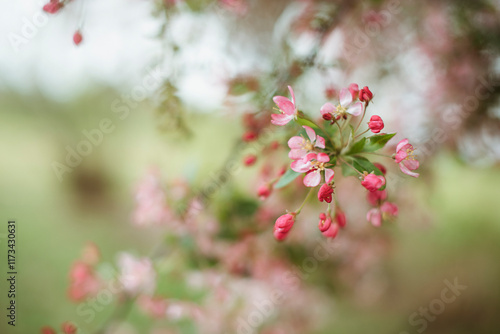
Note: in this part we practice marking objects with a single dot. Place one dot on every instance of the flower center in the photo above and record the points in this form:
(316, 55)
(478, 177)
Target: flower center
(410, 155)
(341, 110)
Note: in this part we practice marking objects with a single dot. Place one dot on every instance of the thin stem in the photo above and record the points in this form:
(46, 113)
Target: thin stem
(341, 136)
(348, 164)
(362, 133)
(361, 120)
(379, 154)
(305, 200)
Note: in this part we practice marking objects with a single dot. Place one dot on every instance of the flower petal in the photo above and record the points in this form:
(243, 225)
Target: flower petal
(356, 109)
(297, 154)
(374, 216)
(296, 142)
(345, 97)
(280, 119)
(284, 104)
(405, 170)
(310, 133)
(320, 142)
(301, 166)
(411, 164)
(329, 174)
(292, 94)
(327, 108)
(323, 157)
(312, 179)
(400, 156)
(401, 144)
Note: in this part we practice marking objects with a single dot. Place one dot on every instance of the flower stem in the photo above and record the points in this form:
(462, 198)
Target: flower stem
(341, 136)
(361, 120)
(362, 133)
(379, 154)
(305, 200)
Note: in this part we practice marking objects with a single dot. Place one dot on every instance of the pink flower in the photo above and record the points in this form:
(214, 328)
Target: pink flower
(324, 222)
(77, 37)
(376, 124)
(365, 95)
(376, 197)
(325, 193)
(406, 159)
(155, 307)
(354, 90)
(389, 209)
(53, 6)
(332, 231)
(313, 164)
(340, 217)
(83, 282)
(283, 225)
(136, 274)
(249, 136)
(299, 146)
(264, 191)
(345, 106)
(374, 216)
(373, 182)
(250, 160)
(287, 108)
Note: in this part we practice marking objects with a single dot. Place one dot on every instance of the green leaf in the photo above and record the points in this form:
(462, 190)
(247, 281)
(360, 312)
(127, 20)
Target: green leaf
(288, 177)
(376, 142)
(364, 165)
(358, 146)
(303, 121)
(347, 170)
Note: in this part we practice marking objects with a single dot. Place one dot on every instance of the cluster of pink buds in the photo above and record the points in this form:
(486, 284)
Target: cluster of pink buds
(66, 328)
(53, 7)
(335, 142)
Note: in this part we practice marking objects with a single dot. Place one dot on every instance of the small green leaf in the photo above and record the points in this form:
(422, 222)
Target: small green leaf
(376, 142)
(303, 121)
(288, 177)
(364, 165)
(358, 146)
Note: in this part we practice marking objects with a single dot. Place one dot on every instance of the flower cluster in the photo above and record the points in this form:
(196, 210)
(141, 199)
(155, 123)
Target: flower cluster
(335, 142)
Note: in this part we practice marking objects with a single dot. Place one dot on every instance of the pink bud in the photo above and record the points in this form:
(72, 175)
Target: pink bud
(52, 7)
(249, 136)
(354, 89)
(373, 182)
(376, 197)
(274, 145)
(47, 330)
(324, 222)
(250, 160)
(389, 208)
(264, 191)
(375, 217)
(327, 116)
(68, 328)
(325, 193)
(380, 167)
(330, 92)
(77, 38)
(283, 225)
(365, 95)
(340, 217)
(376, 124)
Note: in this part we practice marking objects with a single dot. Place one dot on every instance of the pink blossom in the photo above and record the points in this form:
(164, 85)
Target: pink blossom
(250, 160)
(374, 216)
(150, 199)
(68, 328)
(83, 282)
(373, 182)
(77, 37)
(136, 274)
(299, 146)
(389, 209)
(313, 164)
(365, 95)
(283, 225)
(287, 108)
(264, 191)
(332, 231)
(47, 330)
(376, 124)
(340, 217)
(354, 90)
(325, 193)
(406, 159)
(53, 6)
(376, 197)
(324, 222)
(346, 106)
(155, 307)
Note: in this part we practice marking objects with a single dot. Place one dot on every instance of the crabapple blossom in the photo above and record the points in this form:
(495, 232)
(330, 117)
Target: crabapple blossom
(313, 164)
(346, 106)
(376, 124)
(287, 108)
(264, 191)
(365, 95)
(53, 6)
(136, 274)
(299, 146)
(324, 222)
(354, 90)
(331, 231)
(389, 209)
(406, 159)
(373, 182)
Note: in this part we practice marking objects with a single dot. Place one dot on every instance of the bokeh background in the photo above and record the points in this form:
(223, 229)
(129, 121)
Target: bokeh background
(424, 61)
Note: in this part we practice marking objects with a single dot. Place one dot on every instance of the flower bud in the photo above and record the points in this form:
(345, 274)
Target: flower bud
(365, 95)
(376, 197)
(249, 136)
(283, 225)
(389, 209)
(47, 330)
(373, 182)
(77, 37)
(325, 193)
(52, 7)
(264, 191)
(68, 328)
(354, 89)
(376, 124)
(250, 160)
(324, 222)
(340, 217)
(332, 231)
